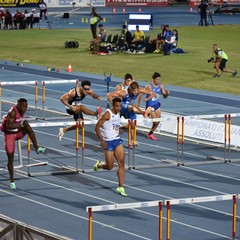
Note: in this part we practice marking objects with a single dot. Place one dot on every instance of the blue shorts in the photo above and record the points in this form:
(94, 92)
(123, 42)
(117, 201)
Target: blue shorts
(111, 145)
(126, 113)
(155, 106)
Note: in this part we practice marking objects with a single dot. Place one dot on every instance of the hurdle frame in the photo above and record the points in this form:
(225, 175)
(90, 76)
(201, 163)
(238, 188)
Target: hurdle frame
(91, 209)
(67, 169)
(195, 200)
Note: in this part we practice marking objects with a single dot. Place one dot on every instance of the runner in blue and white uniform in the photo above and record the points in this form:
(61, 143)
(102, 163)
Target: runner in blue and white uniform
(129, 108)
(107, 129)
(154, 102)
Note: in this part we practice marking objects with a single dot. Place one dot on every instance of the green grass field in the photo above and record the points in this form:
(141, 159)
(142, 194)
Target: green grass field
(46, 48)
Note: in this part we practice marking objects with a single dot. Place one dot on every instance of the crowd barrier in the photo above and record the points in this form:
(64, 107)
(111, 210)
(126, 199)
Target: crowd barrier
(167, 203)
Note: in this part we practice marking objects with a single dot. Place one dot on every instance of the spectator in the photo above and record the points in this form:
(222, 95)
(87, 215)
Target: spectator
(8, 19)
(126, 35)
(102, 35)
(202, 9)
(172, 43)
(160, 39)
(2, 18)
(18, 20)
(43, 10)
(138, 39)
(94, 20)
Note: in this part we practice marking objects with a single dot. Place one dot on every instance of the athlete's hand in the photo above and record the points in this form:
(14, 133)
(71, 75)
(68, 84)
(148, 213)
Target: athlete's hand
(103, 145)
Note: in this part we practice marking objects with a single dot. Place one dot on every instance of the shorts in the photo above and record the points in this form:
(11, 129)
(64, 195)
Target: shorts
(112, 144)
(223, 64)
(10, 139)
(126, 113)
(76, 116)
(155, 106)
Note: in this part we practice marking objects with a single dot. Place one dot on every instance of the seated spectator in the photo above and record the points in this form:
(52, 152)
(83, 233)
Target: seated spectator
(18, 20)
(101, 37)
(126, 36)
(28, 18)
(2, 18)
(160, 39)
(168, 33)
(172, 43)
(8, 19)
(138, 39)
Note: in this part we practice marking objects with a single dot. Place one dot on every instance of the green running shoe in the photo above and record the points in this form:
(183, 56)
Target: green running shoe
(13, 185)
(121, 191)
(40, 150)
(96, 166)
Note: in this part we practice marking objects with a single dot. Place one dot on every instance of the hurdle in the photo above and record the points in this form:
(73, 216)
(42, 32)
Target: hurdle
(163, 162)
(195, 200)
(44, 87)
(124, 206)
(17, 83)
(64, 169)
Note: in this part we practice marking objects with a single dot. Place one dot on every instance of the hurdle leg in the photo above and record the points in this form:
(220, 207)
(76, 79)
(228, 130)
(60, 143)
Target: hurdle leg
(168, 221)
(134, 142)
(234, 217)
(182, 161)
(90, 237)
(160, 220)
(178, 138)
(225, 137)
(83, 145)
(229, 137)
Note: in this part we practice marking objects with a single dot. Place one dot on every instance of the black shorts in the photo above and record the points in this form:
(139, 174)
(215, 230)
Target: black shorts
(76, 116)
(223, 64)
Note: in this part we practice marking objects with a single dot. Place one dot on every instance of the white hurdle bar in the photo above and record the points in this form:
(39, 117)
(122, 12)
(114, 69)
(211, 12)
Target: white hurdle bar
(91, 209)
(182, 201)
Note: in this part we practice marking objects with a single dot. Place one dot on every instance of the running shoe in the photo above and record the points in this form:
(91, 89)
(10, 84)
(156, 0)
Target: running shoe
(13, 185)
(235, 74)
(99, 111)
(40, 150)
(121, 191)
(157, 51)
(147, 112)
(60, 134)
(152, 137)
(96, 166)
(216, 75)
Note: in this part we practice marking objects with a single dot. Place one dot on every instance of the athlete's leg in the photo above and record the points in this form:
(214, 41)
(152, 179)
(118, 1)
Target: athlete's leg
(155, 114)
(109, 160)
(120, 155)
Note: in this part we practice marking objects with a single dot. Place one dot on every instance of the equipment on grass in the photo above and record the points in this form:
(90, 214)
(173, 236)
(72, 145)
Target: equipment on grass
(71, 44)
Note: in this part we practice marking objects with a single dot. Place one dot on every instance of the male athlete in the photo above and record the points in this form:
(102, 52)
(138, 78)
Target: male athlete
(73, 99)
(107, 129)
(126, 82)
(15, 128)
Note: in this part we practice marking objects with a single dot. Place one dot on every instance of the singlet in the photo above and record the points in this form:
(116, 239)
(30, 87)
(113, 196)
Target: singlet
(154, 100)
(18, 120)
(110, 128)
(221, 53)
(76, 100)
(93, 20)
(43, 6)
(130, 99)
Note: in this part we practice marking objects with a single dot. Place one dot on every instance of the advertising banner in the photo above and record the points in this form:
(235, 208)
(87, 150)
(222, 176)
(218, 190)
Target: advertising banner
(148, 3)
(19, 3)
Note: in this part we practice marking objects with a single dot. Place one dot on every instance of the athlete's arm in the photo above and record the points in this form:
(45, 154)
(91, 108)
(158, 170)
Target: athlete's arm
(119, 87)
(147, 91)
(164, 91)
(112, 95)
(66, 97)
(93, 95)
(149, 88)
